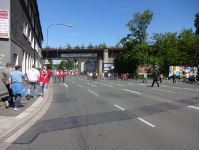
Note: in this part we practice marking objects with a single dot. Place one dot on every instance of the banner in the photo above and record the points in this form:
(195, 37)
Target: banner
(182, 70)
(4, 24)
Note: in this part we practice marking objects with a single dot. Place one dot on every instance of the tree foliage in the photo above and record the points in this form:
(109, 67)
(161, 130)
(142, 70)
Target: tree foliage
(66, 65)
(163, 49)
(196, 23)
(139, 24)
(50, 66)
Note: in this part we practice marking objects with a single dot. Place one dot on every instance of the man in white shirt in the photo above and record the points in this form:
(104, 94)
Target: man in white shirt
(33, 76)
(187, 78)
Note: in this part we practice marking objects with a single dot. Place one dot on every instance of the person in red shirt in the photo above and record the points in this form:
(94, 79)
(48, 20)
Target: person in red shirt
(43, 81)
(49, 73)
(64, 75)
(59, 75)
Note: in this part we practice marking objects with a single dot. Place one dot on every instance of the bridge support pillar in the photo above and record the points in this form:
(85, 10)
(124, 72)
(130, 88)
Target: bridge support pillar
(81, 65)
(105, 56)
(100, 66)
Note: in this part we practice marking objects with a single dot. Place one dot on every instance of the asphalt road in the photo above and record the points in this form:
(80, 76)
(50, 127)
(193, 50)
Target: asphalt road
(115, 115)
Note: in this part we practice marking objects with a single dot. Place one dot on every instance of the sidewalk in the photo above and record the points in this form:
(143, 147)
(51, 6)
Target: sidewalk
(11, 121)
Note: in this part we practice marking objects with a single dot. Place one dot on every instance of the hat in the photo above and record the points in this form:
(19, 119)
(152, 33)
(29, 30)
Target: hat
(44, 67)
(8, 64)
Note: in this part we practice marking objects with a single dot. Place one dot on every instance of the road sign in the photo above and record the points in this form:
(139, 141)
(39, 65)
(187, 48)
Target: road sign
(46, 62)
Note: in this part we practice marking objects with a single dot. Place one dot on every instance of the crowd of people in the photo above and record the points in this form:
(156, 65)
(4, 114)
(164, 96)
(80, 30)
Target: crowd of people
(13, 79)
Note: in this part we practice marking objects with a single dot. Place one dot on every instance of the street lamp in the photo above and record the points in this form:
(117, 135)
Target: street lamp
(68, 25)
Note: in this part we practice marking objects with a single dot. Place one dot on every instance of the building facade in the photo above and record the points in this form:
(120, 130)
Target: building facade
(20, 35)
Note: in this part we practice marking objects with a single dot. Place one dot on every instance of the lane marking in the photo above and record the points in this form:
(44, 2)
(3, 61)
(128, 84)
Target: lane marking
(107, 85)
(93, 93)
(193, 107)
(119, 107)
(65, 85)
(146, 122)
(91, 84)
(132, 91)
(80, 85)
(176, 87)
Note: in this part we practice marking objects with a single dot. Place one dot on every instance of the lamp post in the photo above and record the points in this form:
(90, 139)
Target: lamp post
(68, 25)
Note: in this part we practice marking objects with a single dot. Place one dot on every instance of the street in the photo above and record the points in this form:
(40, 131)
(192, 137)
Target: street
(115, 115)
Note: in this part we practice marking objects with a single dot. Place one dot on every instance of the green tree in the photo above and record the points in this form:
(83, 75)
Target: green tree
(50, 66)
(70, 65)
(77, 47)
(196, 23)
(166, 50)
(68, 46)
(82, 46)
(139, 24)
(90, 46)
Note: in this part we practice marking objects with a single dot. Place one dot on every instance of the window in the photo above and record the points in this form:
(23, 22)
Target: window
(25, 28)
(30, 37)
(33, 42)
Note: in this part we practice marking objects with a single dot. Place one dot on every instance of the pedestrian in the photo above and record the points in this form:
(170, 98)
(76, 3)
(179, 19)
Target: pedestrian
(5, 77)
(145, 78)
(33, 76)
(59, 75)
(161, 78)
(15, 81)
(64, 75)
(174, 78)
(43, 81)
(102, 75)
(155, 79)
(55, 75)
(136, 76)
(49, 73)
(187, 78)
(180, 77)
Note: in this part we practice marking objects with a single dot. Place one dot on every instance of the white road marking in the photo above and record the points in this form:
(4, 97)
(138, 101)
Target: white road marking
(91, 84)
(65, 85)
(80, 85)
(73, 82)
(22, 115)
(107, 85)
(132, 91)
(193, 107)
(146, 122)
(176, 87)
(119, 107)
(162, 90)
(164, 86)
(93, 93)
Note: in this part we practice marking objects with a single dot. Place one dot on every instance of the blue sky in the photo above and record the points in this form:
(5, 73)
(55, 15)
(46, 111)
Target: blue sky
(98, 21)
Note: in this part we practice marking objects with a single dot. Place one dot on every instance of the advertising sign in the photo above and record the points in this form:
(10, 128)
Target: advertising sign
(79, 55)
(108, 66)
(4, 24)
(182, 70)
(142, 69)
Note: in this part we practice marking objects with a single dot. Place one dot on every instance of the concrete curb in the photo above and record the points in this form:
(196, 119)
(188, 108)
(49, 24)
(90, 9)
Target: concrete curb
(7, 133)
